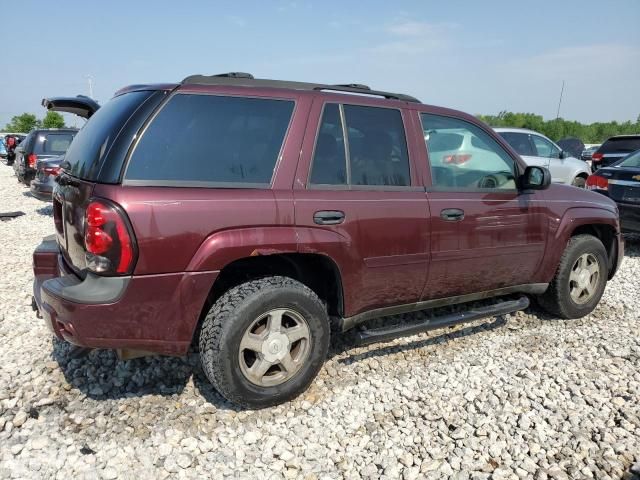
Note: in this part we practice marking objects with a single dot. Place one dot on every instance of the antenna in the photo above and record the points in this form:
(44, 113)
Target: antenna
(560, 101)
(90, 82)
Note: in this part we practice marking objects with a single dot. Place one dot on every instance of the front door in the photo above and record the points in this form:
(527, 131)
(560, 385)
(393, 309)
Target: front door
(485, 235)
(358, 200)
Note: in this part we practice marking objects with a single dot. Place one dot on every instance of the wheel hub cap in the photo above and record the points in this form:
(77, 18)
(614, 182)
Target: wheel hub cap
(275, 347)
(584, 278)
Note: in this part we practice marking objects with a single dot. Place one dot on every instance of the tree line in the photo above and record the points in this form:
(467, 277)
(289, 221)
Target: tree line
(560, 128)
(28, 121)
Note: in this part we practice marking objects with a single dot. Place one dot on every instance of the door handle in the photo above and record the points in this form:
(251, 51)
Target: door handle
(328, 217)
(452, 214)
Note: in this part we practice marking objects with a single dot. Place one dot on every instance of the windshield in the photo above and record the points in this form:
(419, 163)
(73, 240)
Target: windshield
(632, 160)
(93, 142)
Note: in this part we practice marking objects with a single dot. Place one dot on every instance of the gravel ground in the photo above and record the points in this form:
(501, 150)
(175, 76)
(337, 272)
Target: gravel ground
(521, 396)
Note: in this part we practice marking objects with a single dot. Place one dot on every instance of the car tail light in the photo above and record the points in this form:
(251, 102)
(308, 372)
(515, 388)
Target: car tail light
(32, 159)
(51, 171)
(597, 157)
(108, 239)
(596, 182)
(457, 159)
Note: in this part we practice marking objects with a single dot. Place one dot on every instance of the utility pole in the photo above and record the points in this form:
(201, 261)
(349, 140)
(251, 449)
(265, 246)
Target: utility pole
(560, 101)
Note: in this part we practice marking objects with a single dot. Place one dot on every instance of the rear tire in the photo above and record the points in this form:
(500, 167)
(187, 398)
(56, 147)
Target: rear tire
(263, 342)
(579, 182)
(580, 279)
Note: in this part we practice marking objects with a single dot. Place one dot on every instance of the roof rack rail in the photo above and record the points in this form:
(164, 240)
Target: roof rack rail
(364, 90)
(247, 80)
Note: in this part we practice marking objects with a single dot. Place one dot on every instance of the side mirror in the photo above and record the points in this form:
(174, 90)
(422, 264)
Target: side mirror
(535, 178)
(562, 155)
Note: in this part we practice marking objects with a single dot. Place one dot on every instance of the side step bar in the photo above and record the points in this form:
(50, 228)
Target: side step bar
(384, 334)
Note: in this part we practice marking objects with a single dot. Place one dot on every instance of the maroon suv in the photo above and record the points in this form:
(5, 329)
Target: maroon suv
(257, 214)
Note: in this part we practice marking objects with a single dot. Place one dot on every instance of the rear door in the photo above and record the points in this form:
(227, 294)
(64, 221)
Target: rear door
(81, 105)
(484, 234)
(358, 199)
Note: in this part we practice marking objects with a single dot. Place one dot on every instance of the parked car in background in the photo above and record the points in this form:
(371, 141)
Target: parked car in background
(588, 152)
(320, 205)
(536, 149)
(614, 149)
(40, 144)
(11, 142)
(620, 181)
(3, 149)
(46, 172)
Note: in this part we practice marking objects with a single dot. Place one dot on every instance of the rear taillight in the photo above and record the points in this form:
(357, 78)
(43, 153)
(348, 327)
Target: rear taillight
(596, 182)
(597, 157)
(55, 171)
(457, 159)
(108, 239)
(32, 159)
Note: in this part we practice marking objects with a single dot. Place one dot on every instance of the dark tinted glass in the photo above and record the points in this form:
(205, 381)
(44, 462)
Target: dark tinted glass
(52, 143)
(210, 138)
(519, 142)
(96, 137)
(620, 145)
(329, 161)
(377, 146)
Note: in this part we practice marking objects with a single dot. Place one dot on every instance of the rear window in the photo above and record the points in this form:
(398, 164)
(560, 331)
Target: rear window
(620, 145)
(630, 161)
(94, 140)
(52, 143)
(210, 139)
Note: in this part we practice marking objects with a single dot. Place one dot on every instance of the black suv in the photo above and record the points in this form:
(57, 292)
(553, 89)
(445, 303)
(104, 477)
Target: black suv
(40, 144)
(614, 149)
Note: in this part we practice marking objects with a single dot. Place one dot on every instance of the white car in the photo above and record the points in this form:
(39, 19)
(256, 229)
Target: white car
(536, 149)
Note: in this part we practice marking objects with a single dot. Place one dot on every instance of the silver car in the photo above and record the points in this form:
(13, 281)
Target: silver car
(536, 149)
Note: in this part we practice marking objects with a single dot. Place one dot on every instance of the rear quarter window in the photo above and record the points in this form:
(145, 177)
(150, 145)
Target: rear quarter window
(620, 145)
(211, 139)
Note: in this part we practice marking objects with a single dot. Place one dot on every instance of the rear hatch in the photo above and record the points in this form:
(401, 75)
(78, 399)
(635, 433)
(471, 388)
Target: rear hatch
(615, 149)
(100, 146)
(47, 167)
(81, 105)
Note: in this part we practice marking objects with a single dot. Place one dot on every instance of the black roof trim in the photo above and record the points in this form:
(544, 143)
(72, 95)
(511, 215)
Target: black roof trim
(247, 80)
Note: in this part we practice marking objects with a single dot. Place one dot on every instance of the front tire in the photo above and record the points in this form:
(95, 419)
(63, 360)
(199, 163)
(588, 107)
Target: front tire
(263, 342)
(580, 279)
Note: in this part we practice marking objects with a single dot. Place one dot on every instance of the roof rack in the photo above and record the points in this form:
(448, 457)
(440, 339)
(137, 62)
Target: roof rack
(248, 80)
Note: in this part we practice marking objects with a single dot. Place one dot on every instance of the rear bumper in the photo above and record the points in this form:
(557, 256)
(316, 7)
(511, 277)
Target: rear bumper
(156, 313)
(42, 191)
(629, 217)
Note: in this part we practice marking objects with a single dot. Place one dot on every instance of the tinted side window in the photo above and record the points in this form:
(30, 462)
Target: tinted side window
(210, 138)
(544, 147)
(474, 162)
(329, 160)
(520, 142)
(377, 146)
(53, 143)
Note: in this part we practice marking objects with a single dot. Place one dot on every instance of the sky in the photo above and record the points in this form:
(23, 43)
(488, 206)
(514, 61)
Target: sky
(476, 56)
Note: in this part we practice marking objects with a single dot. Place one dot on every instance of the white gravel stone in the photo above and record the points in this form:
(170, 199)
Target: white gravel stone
(527, 397)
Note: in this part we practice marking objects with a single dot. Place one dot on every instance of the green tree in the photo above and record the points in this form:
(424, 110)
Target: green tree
(22, 123)
(559, 128)
(53, 120)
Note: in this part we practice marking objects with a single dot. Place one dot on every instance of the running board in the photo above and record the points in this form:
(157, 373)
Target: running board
(384, 334)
